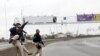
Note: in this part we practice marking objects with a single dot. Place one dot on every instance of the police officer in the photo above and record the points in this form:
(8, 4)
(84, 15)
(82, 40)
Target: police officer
(16, 37)
(38, 41)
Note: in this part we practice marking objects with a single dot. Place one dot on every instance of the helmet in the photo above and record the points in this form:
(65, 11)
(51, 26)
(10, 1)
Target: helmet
(16, 22)
(37, 31)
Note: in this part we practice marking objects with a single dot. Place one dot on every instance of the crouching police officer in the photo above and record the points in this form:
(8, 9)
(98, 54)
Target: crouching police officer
(16, 37)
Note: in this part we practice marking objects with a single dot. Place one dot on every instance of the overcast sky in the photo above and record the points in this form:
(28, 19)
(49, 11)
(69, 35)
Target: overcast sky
(44, 7)
(49, 7)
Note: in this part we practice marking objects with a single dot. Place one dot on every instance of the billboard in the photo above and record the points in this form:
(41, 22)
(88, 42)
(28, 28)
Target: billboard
(96, 17)
(40, 19)
(85, 17)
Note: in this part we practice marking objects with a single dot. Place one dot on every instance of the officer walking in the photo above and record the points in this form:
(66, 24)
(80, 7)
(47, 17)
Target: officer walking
(38, 40)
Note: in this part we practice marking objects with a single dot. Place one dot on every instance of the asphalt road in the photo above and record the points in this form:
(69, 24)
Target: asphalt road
(4, 45)
(79, 47)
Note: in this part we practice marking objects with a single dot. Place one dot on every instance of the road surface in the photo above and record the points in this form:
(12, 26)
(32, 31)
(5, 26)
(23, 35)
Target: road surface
(4, 45)
(79, 47)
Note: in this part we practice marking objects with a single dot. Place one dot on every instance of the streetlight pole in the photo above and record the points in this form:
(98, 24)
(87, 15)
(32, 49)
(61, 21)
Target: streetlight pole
(5, 17)
(22, 18)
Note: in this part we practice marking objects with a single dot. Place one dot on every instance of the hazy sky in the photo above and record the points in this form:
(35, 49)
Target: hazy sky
(49, 7)
(44, 7)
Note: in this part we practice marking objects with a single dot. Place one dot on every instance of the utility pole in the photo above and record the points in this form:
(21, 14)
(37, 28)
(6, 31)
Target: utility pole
(5, 17)
(22, 18)
(77, 30)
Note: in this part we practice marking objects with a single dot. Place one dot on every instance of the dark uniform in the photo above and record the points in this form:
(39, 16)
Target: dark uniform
(37, 39)
(14, 32)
